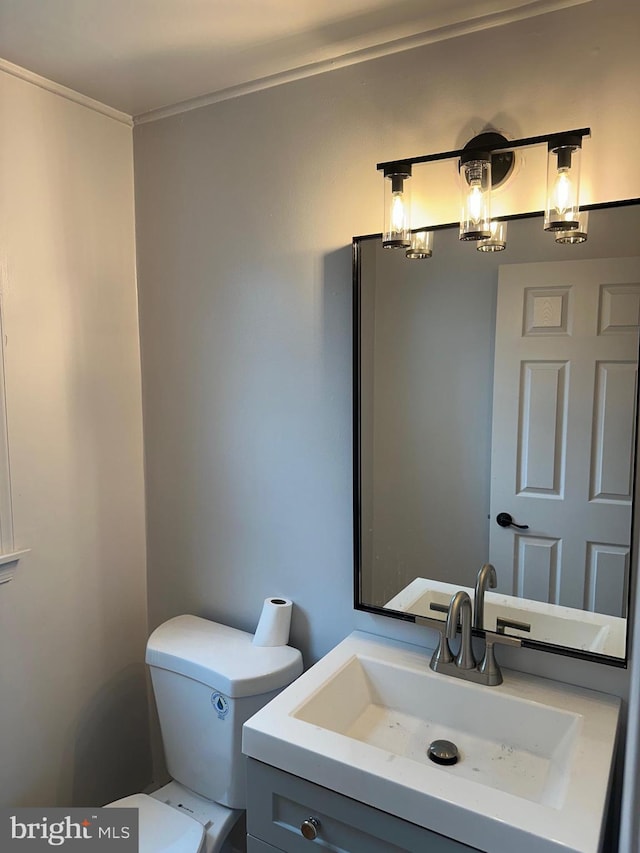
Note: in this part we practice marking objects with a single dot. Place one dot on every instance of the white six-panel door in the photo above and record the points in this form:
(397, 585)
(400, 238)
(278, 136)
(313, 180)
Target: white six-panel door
(563, 430)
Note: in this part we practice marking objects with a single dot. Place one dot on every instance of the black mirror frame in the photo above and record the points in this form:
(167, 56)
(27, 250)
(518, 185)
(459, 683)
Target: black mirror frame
(357, 528)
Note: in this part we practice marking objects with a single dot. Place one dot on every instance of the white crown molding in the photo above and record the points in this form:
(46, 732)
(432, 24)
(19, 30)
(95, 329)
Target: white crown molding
(64, 92)
(497, 19)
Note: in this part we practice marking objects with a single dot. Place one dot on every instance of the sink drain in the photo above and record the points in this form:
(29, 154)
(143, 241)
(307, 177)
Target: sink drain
(443, 752)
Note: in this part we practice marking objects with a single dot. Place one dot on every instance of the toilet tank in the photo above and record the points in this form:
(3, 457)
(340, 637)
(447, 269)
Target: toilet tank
(208, 679)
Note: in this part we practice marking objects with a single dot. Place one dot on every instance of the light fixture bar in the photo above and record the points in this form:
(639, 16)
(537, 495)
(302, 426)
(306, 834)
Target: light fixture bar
(389, 166)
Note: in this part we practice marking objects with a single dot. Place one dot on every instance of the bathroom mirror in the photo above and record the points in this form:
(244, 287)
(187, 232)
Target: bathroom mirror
(503, 384)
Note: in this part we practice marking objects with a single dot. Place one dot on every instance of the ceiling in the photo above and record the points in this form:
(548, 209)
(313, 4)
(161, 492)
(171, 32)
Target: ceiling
(139, 56)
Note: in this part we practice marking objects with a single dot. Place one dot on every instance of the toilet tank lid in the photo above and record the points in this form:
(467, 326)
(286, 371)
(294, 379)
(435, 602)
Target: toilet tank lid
(221, 657)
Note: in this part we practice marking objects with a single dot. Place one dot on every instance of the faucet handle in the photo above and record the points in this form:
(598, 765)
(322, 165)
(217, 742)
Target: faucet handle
(489, 667)
(492, 637)
(502, 623)
(442, 654)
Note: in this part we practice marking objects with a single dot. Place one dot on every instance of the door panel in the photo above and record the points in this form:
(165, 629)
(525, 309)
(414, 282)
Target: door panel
(564, 430)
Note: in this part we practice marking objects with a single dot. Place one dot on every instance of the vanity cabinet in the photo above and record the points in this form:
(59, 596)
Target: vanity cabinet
(280, 805)
(254, 845)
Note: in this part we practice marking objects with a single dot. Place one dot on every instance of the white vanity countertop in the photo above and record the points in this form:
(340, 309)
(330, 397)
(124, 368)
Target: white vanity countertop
(486, 816)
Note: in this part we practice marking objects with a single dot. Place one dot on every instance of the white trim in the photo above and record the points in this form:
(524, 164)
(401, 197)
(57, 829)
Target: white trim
(6, 506)
(64, 92)
(8, 563)
(497, 19)
(630, 796)
(13, 557)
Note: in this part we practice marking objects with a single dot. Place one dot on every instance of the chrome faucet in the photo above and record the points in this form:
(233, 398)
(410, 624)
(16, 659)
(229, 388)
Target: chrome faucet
(486, 578)
(464, 665)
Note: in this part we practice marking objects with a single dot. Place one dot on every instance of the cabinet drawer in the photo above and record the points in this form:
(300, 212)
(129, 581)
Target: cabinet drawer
(278, 804)
(254, 845)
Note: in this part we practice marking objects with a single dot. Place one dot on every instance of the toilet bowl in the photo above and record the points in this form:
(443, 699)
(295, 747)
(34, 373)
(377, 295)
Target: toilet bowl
(163, 829)
(175, 820)
(208, 679)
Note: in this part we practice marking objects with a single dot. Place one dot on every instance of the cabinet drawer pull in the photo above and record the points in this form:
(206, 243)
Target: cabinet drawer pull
(309, 828)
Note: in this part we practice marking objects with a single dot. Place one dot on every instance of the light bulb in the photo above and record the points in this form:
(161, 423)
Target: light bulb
(397, 205)
(562, 192)
(398, 213)
(563, 184)
(475, 203)
(475, 183)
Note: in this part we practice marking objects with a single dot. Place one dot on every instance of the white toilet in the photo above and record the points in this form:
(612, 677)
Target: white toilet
(208, 679)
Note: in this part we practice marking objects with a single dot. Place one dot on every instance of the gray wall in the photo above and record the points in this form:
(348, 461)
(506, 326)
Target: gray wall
(245, 212)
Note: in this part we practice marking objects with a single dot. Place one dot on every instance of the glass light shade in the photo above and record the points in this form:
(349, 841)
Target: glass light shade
(575, 235)
(497, 242)
(563, 185)
(397, 206)
(421, 245)
(475, 186)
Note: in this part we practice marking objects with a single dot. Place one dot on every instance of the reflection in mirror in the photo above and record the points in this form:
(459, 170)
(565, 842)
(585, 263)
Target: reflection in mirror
(501, 383)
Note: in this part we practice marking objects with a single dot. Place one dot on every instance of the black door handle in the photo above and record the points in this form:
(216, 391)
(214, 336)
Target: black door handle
(506, 520)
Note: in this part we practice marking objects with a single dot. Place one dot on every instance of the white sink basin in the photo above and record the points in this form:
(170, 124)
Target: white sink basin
(562, 630)
(534, 762)
(564, 627)
(507, 743)
(549, 623)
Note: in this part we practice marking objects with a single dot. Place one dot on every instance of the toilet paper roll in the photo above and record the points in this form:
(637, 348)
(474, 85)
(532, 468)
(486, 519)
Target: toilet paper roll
(274, 623)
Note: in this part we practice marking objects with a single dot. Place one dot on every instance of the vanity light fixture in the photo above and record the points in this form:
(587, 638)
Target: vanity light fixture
(575, 235)
(397, 206)
(421, 245)
(484, 163)
(563, 182)
(497, 242)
